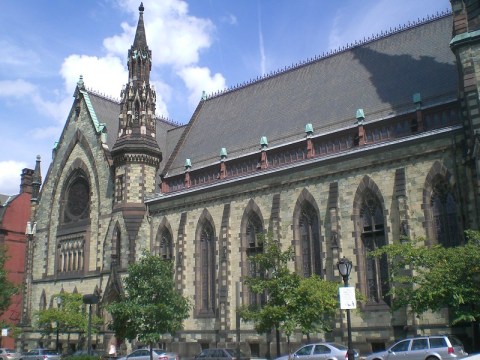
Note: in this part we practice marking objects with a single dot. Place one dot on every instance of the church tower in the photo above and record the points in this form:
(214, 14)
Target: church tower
(136, 154)
(465, 44)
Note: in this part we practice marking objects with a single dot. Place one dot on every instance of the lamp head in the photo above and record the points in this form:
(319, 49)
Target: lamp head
(344, 267)
(90, 299)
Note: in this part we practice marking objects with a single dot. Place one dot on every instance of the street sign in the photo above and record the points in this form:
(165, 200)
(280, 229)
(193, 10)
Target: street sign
(347, 298)
(5, 332)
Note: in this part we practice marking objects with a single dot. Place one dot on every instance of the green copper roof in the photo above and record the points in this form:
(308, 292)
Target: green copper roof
(99, 127)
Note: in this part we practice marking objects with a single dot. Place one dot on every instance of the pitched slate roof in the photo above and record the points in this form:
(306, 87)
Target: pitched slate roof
(107, 111)
(379, 76)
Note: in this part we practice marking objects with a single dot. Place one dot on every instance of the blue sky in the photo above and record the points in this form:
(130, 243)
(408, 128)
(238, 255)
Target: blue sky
(208, 45)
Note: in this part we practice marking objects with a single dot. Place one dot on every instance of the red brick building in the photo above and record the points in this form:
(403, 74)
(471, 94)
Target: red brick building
(14, 215)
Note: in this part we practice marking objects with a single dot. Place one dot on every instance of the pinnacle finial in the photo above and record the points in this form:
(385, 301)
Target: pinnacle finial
(141, 8)
(80, 82)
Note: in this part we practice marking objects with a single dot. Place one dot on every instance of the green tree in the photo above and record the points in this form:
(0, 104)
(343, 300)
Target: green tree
(68, 317)
(292, 302)
(151, 306)
(434, 277)
(7, 288)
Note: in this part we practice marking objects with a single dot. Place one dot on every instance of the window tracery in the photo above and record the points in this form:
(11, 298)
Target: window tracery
(444, 214)
(207, 268)
(373, 237)
(310, 240)
(71, 253)
(165, 245)
(77, 200)
(255, 246)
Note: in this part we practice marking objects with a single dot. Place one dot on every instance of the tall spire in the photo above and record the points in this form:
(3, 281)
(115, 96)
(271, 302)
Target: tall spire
(140, 41)
(137, 114)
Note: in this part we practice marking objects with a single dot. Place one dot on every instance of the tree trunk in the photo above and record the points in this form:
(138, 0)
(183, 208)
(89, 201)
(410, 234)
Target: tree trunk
(278, 340)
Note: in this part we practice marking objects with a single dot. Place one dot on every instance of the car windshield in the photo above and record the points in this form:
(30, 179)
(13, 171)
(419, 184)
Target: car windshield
(9, 350)
(339, 346)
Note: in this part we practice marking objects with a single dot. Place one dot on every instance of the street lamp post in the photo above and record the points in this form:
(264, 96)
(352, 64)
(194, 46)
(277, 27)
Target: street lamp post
(90, 299)
(59, 303)
(345, 267)
(237, 318)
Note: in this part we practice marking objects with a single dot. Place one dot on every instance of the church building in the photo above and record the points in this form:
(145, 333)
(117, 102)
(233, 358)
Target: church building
(336, 156)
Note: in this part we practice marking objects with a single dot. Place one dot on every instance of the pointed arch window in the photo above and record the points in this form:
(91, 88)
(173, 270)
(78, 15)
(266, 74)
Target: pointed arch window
(43, 301)
(373, 237)
(310, 241)
(136, 119)
(165, 250)
(445, 217)
(207, 268)
(74, 222)
(254, 246)
(116, 247)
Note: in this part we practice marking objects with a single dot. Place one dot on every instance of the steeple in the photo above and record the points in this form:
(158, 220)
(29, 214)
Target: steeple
(136, 154)
(137, 124)
(140, 41)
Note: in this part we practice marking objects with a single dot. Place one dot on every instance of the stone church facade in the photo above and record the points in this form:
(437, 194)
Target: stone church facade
(336, 156)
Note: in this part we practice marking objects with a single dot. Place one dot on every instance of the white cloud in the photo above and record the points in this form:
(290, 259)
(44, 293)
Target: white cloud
(103, 74)
(174, 37)
(198, 79)
(57, 110)
(16, 88)
(10, 172)
(25, 91)
(164, 94)
(119, 44)
(24, 60)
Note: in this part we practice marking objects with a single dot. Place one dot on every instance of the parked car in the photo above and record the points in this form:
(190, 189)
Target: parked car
(144, 354)
(221, 354)
(9, 354)
(441, 347)
(41, 354)
(83, 353)
(320, 351)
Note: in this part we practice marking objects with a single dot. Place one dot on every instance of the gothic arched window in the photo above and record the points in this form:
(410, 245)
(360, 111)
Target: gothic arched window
(444, 215)
(166, 245)
(207, 268)
(74, 222)
(373, 237)
(310, 240)
(116, 246)
(255, 246)
(77, 199)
